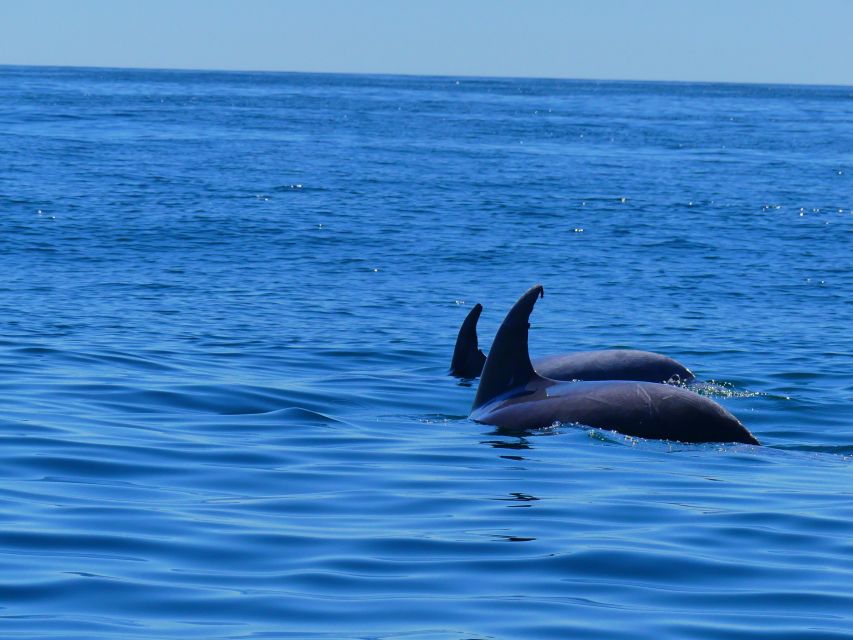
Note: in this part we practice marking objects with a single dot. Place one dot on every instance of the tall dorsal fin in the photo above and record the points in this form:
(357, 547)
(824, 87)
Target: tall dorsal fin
(508, 365)
(468, 360)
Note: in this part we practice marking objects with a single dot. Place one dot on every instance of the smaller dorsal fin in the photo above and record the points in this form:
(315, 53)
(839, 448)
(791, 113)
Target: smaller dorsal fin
(508, 365)
(468, 360)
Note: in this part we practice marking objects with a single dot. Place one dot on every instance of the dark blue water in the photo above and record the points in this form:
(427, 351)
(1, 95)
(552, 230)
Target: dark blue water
(228, 303)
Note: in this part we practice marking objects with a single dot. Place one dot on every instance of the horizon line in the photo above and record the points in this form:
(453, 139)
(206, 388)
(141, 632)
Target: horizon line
(427, 75)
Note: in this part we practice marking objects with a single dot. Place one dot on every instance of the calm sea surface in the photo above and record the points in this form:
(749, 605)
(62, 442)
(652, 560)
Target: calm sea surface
(227, 307)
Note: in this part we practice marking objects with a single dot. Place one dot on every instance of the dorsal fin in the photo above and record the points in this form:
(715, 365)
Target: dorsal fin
(508, 365)
(468, 360)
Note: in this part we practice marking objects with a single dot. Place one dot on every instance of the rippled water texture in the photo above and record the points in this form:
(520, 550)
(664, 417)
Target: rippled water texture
(228, 304)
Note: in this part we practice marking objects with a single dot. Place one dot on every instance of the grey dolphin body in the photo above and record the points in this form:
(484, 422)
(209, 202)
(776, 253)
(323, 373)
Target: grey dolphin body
(607, 364)
(513, 396)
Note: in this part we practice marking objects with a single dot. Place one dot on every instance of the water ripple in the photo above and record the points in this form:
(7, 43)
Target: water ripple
(228, 304)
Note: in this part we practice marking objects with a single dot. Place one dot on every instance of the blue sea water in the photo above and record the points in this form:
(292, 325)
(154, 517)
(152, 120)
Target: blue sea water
(227, 307)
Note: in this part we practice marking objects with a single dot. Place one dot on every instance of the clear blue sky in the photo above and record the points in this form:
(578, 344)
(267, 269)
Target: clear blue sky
(788, 41)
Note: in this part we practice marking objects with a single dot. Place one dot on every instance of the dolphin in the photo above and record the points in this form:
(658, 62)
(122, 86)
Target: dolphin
(514, 397)
(607, 364)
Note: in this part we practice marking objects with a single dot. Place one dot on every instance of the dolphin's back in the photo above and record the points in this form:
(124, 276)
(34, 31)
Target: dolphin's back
(613, 364)
(641, 409)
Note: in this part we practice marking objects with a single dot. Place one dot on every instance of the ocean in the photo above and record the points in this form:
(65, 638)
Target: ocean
(228, 303)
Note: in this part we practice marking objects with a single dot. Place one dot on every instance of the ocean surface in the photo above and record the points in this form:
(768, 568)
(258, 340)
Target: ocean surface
(228, 303)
